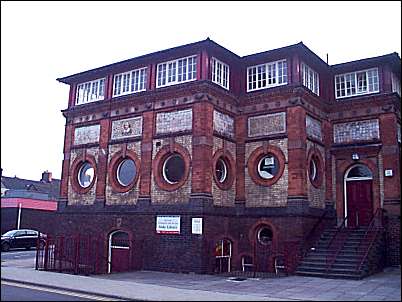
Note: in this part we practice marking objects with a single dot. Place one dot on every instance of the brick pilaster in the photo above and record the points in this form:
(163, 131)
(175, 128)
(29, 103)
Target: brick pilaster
(102, 160)
(391, 161)
(297, 156)
(241, 134)
(146, 154)
(201, 178)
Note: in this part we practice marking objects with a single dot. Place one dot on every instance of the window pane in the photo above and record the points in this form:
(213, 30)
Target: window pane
(86, 175)
(173, 169)
(126, 172)
(221, 170)
(268, 166)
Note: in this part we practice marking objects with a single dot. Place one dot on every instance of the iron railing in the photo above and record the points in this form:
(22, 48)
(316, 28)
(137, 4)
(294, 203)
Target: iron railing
(367, 241)
(336, 243)
(76, 254)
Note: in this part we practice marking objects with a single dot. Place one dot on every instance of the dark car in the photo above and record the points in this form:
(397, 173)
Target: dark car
(23, 238)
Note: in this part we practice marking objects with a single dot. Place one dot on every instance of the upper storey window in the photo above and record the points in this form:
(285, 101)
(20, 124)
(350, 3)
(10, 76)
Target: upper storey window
(177, 71)
(356, 83)
(220, 73)
(310, 79)
(267, 75)
(130, 82)
(396, 84)
(90, 91)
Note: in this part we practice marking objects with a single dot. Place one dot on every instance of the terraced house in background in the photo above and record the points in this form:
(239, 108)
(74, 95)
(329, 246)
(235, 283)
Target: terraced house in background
(194, 159)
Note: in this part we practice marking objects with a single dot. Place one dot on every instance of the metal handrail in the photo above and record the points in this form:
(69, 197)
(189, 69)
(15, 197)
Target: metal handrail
(307, 242)
(330, 259)
(371, 227)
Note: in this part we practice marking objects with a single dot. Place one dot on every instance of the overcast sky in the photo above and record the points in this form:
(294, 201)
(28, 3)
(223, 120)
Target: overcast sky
(42, 41)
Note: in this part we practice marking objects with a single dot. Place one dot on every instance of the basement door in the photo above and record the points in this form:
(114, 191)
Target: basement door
(119, 252)
(359, 197)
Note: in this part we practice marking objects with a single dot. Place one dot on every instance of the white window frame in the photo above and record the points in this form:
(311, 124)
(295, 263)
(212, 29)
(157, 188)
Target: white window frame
(220, 73)
(129, 82)
(310, 78)
(265, 74)
(85, 91)
(396, 84)
(169, 71)
(352, 79)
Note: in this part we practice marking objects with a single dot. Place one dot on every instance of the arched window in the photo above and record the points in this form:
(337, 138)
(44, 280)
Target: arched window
(264, 235)
(359, 172)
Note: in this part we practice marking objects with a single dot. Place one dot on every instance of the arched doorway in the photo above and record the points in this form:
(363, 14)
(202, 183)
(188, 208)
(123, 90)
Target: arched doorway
(358, 195)
(263, 247)
(223, 255)
(118, 252)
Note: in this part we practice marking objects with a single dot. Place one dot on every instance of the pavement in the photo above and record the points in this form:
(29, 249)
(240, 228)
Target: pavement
(161, 286)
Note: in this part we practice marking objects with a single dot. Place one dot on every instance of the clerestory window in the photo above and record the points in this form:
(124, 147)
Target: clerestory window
(130, 82)
(267, 75)
(177, 71)
(220, 73)
(356, 83)
(90, 91)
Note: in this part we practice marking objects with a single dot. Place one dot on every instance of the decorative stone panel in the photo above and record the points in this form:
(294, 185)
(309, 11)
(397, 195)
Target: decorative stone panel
(267, 196)
(130, 197)
(316, 196)
(313, 128)
(176, 121)
(223, 124)
(130, 127)
(182, 194)
(224, 197)
(267, 124)
(86, 135)
(355, 131)
(88, 198)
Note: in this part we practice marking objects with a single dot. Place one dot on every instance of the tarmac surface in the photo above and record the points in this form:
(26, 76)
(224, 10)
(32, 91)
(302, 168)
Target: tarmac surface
(160, 286)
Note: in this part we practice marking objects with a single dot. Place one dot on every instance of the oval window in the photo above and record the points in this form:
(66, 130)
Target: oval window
(173, 169)
(264, 235)
(86, 175)
(126, 172)
(268, 166)
(221, 170)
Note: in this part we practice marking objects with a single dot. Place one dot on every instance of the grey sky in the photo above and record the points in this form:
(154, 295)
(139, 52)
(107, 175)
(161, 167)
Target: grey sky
(41, 41)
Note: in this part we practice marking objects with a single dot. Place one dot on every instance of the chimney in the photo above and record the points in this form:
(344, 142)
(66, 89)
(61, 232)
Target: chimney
(46, 176)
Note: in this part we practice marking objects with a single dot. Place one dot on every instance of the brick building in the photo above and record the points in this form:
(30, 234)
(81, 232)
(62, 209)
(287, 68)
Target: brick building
(211, 162)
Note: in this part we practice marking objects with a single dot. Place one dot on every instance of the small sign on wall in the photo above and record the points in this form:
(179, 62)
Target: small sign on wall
(196, 225)
(388, 172)
(168, 224)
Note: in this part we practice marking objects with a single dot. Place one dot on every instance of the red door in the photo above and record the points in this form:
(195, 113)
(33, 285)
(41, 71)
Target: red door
(120, 259)
(359, 202)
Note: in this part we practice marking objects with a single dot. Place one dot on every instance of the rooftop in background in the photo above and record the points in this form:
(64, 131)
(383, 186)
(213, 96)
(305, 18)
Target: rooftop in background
(47, 188)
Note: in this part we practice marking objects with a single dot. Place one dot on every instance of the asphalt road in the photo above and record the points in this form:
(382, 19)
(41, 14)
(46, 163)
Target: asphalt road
(18, 254)
(21, 292)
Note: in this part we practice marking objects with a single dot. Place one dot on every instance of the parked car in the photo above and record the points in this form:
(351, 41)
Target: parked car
(23, 238)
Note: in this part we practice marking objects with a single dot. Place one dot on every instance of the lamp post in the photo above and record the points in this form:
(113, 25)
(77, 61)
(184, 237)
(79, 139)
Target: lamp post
(19, 216)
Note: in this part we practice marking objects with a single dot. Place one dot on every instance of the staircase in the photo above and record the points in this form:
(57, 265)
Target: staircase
(356, 253)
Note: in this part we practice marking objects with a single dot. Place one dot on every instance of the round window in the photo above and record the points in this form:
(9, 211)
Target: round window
(173, 169)
(126, 172)
(86, 175)
(313, 169)
(221, 170)
(264, 235)
(268, 166)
